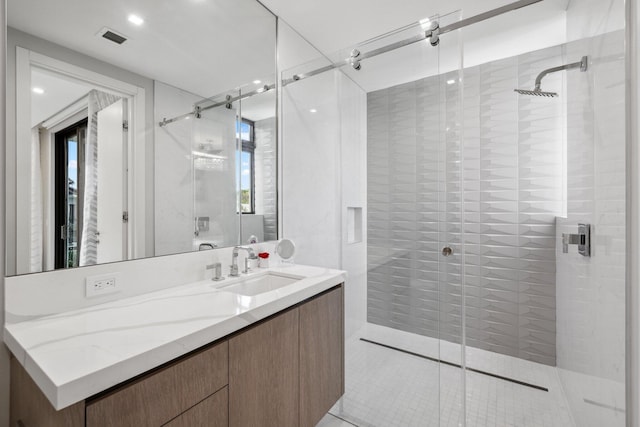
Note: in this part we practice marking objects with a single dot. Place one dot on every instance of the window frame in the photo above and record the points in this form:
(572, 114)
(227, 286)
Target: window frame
(61, 180)
(248, 146)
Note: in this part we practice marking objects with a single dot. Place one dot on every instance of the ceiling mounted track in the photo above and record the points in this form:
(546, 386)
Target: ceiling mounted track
(433, 34)
(356, 57)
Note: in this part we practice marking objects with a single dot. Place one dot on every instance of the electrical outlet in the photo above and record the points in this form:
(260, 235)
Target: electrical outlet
(96, 286)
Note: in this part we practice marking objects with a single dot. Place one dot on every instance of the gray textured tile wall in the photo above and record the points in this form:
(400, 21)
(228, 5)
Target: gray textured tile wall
(266, 175)
(511, 148)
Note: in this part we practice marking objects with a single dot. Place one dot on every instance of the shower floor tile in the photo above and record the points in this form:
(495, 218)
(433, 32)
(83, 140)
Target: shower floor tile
(389, 388)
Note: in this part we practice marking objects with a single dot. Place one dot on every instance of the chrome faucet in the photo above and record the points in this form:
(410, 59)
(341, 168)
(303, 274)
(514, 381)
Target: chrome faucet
(234, 260)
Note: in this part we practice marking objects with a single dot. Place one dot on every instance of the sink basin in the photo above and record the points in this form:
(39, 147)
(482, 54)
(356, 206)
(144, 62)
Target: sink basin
(259, 285)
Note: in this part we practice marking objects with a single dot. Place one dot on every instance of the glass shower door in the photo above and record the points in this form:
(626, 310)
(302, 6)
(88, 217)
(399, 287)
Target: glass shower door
(215, 170)
(403, 365)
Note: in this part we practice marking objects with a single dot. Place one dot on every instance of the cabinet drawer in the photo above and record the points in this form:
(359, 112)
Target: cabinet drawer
(157, 398)
(211, 412)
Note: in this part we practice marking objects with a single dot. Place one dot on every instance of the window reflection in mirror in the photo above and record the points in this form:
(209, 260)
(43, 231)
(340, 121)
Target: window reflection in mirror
(246, 167)
(69, 193)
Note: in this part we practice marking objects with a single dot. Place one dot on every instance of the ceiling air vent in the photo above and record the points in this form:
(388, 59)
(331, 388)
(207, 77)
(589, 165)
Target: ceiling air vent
(111, 35)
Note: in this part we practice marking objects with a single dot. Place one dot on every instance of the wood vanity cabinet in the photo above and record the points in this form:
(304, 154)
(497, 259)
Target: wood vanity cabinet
(160, 396)
(263, 374)
(211, 412)
(29, 407)
(321, 356)
(287, 370)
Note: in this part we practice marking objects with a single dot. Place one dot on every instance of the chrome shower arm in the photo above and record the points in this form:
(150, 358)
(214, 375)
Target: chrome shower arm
(582, 64)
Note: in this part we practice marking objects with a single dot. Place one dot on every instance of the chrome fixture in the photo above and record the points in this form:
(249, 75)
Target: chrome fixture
(356, 57)
(582, 239)
(234, 260)
(353, 59)
(434, 32)
(217, 271)
(537, 91)
(200, 223)
(227, 103)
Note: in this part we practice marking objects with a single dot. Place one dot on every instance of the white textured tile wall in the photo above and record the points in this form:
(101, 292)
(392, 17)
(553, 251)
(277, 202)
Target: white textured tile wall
(512, 159)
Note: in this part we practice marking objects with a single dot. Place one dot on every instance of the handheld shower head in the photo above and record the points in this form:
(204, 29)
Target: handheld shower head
(538, 92)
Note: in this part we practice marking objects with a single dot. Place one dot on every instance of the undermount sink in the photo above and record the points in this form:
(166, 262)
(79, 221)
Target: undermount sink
(259, 285)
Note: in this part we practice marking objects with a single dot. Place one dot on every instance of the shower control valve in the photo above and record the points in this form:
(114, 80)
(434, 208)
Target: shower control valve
(582, 239)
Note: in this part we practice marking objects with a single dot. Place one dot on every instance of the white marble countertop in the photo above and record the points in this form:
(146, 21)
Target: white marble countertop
(74, 355)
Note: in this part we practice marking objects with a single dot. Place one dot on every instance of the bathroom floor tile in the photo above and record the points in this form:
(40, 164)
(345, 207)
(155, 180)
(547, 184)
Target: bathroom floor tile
(390, 388)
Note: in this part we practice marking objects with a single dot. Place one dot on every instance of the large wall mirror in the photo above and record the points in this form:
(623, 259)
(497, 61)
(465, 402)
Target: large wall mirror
(137, 128)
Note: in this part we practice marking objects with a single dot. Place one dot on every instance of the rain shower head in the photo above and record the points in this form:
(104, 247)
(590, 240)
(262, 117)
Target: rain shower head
(538, 92)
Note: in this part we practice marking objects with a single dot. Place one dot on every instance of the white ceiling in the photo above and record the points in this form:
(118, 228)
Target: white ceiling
(58, 93)
(335, 24)
(196, 45)
(351, 23)
(200, 45)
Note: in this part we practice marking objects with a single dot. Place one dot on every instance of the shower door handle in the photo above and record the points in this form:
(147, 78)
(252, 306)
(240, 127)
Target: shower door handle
(447, 251)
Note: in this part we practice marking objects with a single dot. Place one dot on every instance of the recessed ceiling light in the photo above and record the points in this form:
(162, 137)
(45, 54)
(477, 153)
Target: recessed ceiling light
(257, 82)
(313, 110)
(38, 90)
(450, 82)
(136, 20)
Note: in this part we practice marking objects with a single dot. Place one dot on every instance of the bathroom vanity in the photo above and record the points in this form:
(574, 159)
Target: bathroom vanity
(257, 351)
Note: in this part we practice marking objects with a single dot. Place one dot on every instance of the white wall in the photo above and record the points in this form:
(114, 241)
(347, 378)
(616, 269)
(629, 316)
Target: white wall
(353, 170)
(34, 295)
(589, 18)
(311, 170)
(173, 175)
(16, 38)
(188, 186)
(215, 179)
(590, 292)
(324, 170)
